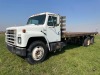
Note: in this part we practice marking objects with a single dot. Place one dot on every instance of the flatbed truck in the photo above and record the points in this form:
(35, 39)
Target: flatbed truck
(43, 33)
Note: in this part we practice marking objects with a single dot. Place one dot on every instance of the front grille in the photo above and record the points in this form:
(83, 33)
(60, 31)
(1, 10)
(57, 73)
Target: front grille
(11, 37)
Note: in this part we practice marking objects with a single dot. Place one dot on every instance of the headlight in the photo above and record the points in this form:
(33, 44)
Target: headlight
(19, 40)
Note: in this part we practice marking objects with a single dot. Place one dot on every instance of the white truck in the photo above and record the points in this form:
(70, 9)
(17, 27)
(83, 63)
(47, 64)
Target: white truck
(44, 32)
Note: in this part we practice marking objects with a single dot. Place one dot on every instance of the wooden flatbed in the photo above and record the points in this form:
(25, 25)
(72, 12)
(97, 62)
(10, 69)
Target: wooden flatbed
(77, 34)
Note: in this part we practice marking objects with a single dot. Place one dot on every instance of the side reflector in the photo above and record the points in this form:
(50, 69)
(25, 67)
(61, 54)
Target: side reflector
(24, 30)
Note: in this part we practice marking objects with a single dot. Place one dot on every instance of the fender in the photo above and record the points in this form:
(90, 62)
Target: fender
(33, 36)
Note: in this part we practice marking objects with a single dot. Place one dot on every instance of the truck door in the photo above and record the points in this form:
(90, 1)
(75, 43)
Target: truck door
(53, 29)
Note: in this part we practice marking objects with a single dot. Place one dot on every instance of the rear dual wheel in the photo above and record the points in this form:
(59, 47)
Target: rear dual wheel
(87, 42)
(92, 39)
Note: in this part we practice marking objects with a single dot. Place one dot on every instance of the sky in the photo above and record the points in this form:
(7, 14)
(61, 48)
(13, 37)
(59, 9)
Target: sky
(81, 15)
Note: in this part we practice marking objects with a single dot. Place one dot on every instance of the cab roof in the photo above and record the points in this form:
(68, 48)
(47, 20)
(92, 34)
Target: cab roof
(42, 14)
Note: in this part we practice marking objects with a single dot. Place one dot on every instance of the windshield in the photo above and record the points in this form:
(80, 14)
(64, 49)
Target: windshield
(37, 20)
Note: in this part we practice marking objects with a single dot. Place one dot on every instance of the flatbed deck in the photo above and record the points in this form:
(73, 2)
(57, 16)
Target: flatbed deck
(77, 34)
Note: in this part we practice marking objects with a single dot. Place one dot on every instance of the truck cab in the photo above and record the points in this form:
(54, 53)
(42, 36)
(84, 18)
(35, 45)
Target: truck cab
(44, 28)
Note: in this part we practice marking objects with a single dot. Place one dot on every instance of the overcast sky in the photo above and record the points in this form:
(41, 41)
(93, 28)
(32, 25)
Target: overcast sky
(82, 15)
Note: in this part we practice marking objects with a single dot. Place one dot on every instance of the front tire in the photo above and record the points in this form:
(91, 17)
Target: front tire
(37, 52)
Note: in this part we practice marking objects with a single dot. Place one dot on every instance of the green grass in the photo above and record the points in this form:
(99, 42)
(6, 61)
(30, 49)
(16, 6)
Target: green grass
(73, 60)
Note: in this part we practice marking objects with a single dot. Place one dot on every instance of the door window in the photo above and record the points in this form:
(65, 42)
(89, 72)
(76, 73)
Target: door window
(52, 21)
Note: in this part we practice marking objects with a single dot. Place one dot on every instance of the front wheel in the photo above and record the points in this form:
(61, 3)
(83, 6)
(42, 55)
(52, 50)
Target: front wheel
(37, 52)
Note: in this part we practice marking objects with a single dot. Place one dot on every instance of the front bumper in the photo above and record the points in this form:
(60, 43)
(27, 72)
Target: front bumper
(17, 50)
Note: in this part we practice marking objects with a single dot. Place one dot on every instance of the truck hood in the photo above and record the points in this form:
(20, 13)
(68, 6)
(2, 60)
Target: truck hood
(31, 27)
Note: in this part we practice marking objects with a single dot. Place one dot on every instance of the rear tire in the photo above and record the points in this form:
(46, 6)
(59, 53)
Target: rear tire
(92, 40)
(86, 42)
(37, 52)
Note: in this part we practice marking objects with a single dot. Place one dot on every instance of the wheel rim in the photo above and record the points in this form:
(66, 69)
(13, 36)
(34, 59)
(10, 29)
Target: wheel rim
(37, 53)
(88, 42)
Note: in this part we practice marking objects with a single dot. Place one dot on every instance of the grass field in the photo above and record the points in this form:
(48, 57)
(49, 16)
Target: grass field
(73, 60)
